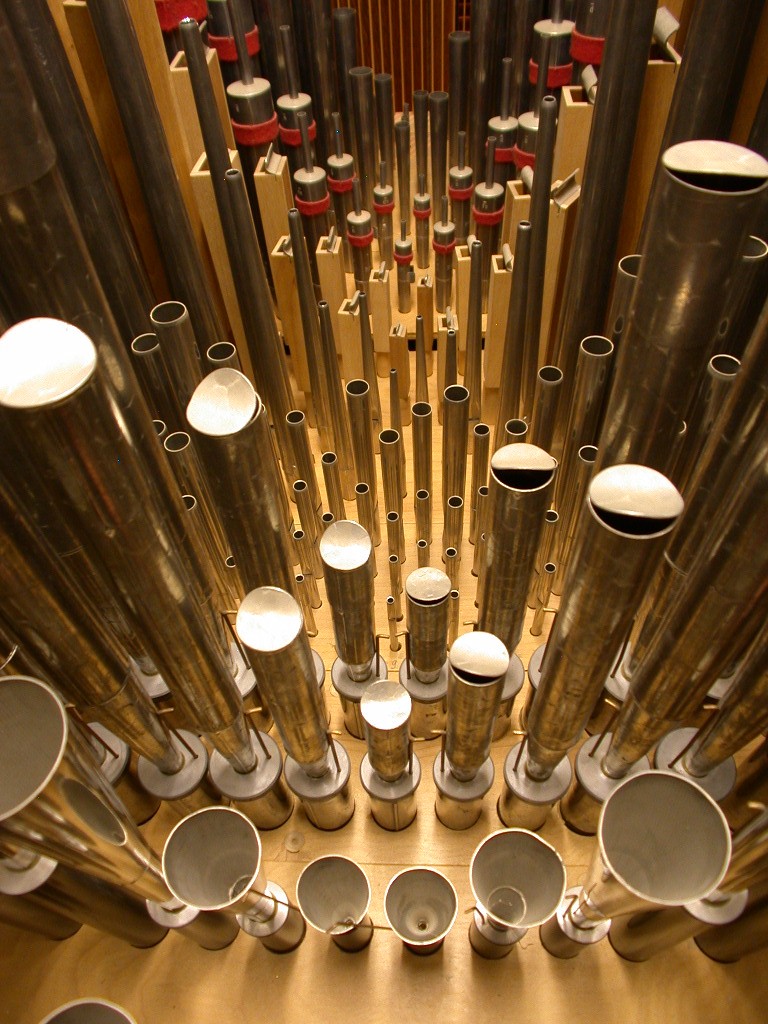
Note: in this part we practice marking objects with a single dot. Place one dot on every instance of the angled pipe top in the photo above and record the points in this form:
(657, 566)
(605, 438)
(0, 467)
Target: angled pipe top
(223, 403)
(43, 362)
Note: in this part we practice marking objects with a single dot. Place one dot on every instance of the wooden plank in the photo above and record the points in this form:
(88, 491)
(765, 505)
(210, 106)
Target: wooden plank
(333, 282)
(380, 305)
(399, 359)
(287, 296)
(498, 308)
(275, 197)
(425, 305)
(185, 104)
(463, 265)
(348, 340)
(573, 125)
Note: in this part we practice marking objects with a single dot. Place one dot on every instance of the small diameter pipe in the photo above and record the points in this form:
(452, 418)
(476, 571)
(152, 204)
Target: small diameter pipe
(396, 583)
(338, 413)
(332, 479)
(423, 509)
(390, 446)
(453, 525)
(514, 341)
(395, 536)
(369, 361)
(473, 372)
(455, 437)
(368, 514)
(304, 460)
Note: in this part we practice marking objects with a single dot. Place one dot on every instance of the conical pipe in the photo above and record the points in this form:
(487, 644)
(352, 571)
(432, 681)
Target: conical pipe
(271, 626)
(477, 665)
(521, 481)
(345, 549)
(60, 390)
(628, 514)
(231, 432)
(420, 905)
(708, 195)
(334, 895)
(55, 802)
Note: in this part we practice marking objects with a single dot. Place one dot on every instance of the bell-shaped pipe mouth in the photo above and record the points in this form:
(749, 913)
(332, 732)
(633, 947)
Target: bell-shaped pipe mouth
(664, 839)
(333, 894)
(89, 1011)
(420, 905)
(517, 879)
(212, 858)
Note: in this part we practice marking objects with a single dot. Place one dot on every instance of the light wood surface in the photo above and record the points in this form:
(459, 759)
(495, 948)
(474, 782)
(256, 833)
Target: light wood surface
(178, 983)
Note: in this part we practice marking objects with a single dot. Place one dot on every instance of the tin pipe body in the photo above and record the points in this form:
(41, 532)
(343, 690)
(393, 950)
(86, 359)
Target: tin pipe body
(364, 120)
(477, 664)
(345, 549)
(455, 439)
(426, 609)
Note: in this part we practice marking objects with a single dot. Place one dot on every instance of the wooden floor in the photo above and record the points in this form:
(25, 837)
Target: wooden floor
(178, 983)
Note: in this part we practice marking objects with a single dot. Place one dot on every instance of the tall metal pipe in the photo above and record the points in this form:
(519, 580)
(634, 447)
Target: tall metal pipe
(746, 297)
(747, 935)
(386, 710)
(270, 624)
(338, 413)
(473, 372)
(426, 609)
(344, 21)
(385, 125)
(364, 119)
(179, 354)
(361, 428)
(539, 216)
(546, 400)
(576, 474)
(458, 90)
(303, 459)
(60, 805)
(438, 144)
(421, 426)
(455, 439)
(605, 176)
(345, 549)
(314, 35)
(341, 172)
(150, 373)
(477, 665)
(487, 215)
(122, 514)
(403, 151)
(228, 420)
(723, 594)
(460, 191)
(332, 479)
(521, 481)
(99, 211)
(486, 42)
(420, 120)
(514, 339)
(707, 196)
(621, 532)
(125, 68)
(368, 515)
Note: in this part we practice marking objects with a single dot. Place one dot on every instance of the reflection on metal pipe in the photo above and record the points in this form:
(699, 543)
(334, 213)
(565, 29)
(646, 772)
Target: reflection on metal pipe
(361, 428)
(303, 459)
(338, 413)
(512, 363)
(546, 399)
(330, 464)
(393, 480)
(364, 118)
(421, 424)
(576, 476)
(473, 373)
(420, 906)
(521, 481)
(334, 895)
(423, 510)
(455, 439)
(368, 516)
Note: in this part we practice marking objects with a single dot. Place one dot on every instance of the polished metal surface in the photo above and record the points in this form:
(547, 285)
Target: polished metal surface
(473, 358)
(54, 800)
(392, 477)
(438, 144)
(271, 626)
(395, 536)
(444, 245)
(368, 516)
(303, 459)
(338, 414)
(620, 537)
(332, 477)
(514, 339)
(327, 801)
(231, 433)
(344, 22)
(360, 412)
(521, 482)
(458, 72)
(345, 549)
(118, 499)
(386, 711)
(209, 929)
(423, 510)
(477, 664)
(488, 203)
(364, 122)
(385, 125)
(421, 425)
(707, 196)
(730, 943)
(453, 525)
(455, 440)
(426, 609)
(420, 906)
(576, 477)
(89, 1011)
(403, 151)
(359, 226)
(547, 397)
(334, 895)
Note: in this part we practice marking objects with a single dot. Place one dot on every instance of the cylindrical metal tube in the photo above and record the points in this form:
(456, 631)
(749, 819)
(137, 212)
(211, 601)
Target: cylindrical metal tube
(395, 536)
(706, 198)
(394, 640)
(422, 552)
(61, 805)
(361, 428)
(477, 664)
(455, 439)
(345, 50)
(473, 360)
(359, 227)
(452, 563)
(453, 524)
(338, 413)
(209, 929)
(305, 601)
(304, 460)
(153, 379)
(746, 296)
(486, 41)
(426, 609)
(576, 480)
(310, 183)
(310, 523)
(383, 207)
(369, 361)
(341, 172)
(444, 245)
(487, 214)
(514, 340)
(423, 509)
(627, 270)
(438, 143)
(460, 191)
(221, 355)
(390, 446)
(404, 258)
(345, 549)
(521, 482)
(504, 126)
(422, 211)
(629, 513)
(385, 124)
(481, 439)
(386, 711)
(271, 626)
(458, 90)
(477, 517)
(396, 583)
(403, 151)
(544, 553)
(748, 934)
(421, 425)
(546, 399)
(120, 497)
(21, 912)
(229, 423)
(179, 354)
(368, 515)
(308, 554)
(364, 119)
(292, 104)
(332, 478)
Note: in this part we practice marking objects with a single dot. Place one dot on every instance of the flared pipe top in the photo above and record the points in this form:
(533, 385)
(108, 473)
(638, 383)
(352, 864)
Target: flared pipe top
(334, 894)
(518, 880)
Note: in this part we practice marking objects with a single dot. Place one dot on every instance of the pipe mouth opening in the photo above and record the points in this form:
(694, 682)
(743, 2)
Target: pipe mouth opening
(587, 453)
(634, 501)
(597, 345)
(714, 181)
(394, 560)
(230, 562)
(456, 393)
(422, 495)
(211, 858)
(393, 517)
(754, 249)
(389, 436)
(43, 361)
(551, 374)
(89, 1011)
(346, 546)
(94, 812)
(451, 552)
(517, 878)
(334, 894)
(300, 485)
(358, 387)
(478, 658)
(714, 166)
(630, 265)
(633, 525)
(523, 467)
(421, 409)
(190, 501)
(168, 312)
(295, 416)
(298, 535)
(178, 441)
(725, 365)
(551, 516)
(362, 489)
(455, 501)
(160, 426)
(420, 905)
(481, 430)
(33, 737)
(221, 351)
(516, 428)
(328, 458)
(327, 518)
(523, 479)
(145, 343)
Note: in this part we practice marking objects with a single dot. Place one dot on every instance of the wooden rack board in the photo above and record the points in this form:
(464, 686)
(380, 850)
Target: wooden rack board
(178, 983)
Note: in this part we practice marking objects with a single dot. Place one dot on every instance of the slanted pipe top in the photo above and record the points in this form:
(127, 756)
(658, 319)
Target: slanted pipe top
(478, 658)
(634, 500)
(427, 585)
(523, 467)
(385, 705)
(714, 166)
(42, 362)
(345, 546)
(269, 620)
(223, 403)
(33, 737)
